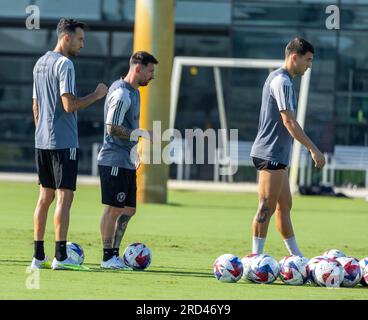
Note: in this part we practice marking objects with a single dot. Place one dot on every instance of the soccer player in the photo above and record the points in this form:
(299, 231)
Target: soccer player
(55, 106)
(117, 168)
(272, 146)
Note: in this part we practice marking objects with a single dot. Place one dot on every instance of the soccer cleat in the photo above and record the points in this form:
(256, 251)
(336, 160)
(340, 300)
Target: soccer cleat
(66, 264)
(126, 266)
(41, 264)
(114, 263)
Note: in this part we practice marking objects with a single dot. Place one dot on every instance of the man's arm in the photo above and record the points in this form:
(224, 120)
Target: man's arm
(71, 103)
(124, 133)
(35, 112)
(298, 133)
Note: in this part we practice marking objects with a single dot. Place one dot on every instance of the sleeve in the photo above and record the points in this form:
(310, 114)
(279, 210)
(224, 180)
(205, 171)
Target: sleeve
(282, 91)
(117, 107)
(66, 76)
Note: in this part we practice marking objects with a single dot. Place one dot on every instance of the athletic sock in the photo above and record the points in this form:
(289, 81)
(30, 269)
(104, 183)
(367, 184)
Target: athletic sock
(60, 250)
(258, 245)
(292, 247)
(39, 251)
(108, 254)
(116, 251)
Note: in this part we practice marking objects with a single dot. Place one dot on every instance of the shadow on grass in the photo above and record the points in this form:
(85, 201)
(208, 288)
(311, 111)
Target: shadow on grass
(95, 267)
(206, 206)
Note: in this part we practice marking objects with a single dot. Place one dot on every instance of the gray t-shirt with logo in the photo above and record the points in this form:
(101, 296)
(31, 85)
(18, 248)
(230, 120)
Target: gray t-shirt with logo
(54, 75)
(273, 141)
(122, 107)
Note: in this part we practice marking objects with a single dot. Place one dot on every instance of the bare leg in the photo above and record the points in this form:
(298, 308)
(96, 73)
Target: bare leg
(62, 213)
(269, 188)
(283, 219)
(121, 225)
(107, 225)
(283, 208)
(45, 199)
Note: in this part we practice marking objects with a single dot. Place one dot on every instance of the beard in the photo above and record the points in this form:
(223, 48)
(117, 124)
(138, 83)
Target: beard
(143, 83)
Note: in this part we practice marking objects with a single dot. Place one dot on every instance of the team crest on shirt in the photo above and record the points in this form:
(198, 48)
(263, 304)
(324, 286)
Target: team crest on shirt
(120, 197)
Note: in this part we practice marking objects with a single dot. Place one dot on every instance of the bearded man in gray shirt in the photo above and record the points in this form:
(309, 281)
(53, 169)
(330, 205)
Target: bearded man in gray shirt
(55, 106)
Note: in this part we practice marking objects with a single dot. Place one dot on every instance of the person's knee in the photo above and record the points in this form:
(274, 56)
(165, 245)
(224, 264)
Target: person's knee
(65, 197)
(130, 211)
(267, 205)
(266, 208)
(113, 212)
(46, 198)
(285, 206)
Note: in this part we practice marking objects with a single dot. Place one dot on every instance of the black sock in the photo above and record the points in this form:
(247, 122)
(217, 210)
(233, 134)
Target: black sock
(116, 251)
(60, 250)
(108, 254)
(39, 251)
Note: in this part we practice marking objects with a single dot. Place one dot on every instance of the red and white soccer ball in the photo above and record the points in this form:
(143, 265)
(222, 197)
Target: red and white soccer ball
(264, 269)
(364, 268)
(228, 268)
(312, 265)
(352, 271)
(333, 254)
(137, 256)
(75, 252)
(246, 261)
(329, 273)
(294, 270)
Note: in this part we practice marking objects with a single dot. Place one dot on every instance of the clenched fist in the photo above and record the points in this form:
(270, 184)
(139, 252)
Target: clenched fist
(101, 90)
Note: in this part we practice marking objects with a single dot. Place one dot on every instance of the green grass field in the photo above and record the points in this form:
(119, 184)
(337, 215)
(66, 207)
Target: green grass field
(185, 236)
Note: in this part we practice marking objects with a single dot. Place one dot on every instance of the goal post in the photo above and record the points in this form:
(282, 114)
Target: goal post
(216, 64)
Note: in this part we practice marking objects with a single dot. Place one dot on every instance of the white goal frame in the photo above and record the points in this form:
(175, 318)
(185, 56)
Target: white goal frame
(216, 64)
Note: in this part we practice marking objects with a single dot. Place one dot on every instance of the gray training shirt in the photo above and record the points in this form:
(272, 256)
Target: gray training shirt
(122, 106)
(54, 75)
(273, 141)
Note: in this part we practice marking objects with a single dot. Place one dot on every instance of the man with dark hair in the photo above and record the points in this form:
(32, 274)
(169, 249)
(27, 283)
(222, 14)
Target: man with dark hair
(55, 107)
(272, 146)
(116, 166)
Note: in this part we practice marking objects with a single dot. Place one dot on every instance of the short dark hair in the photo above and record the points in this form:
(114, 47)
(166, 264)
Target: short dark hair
(299, 46)
(68, 26)
(142, 57)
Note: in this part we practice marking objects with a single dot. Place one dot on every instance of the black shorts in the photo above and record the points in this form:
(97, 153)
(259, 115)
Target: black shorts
(262, 164)
(118, 186)
(57, 169)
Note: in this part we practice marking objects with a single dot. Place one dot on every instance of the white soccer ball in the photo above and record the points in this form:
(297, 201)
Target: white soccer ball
(137, 256)
(294, 270)
(329, 273)
(75, 252)
(246, 261)
(228, 268)
(364, 268)
(333, 254)
(312, 265)
(264, 269)
(352, 271)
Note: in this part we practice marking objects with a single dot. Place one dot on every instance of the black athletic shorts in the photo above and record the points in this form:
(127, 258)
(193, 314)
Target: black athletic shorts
(57, 169)
(262, 164)
(118, 186)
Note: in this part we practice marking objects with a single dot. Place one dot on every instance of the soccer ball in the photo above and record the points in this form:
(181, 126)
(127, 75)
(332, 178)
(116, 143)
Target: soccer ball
(294, 270)
(312, 265)
(228, 268)
(329, 273)
(246, 261)
(333, 254)
(364, 267)
(137, 256)
(264, 269)
(75, 252)
(352, 271)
